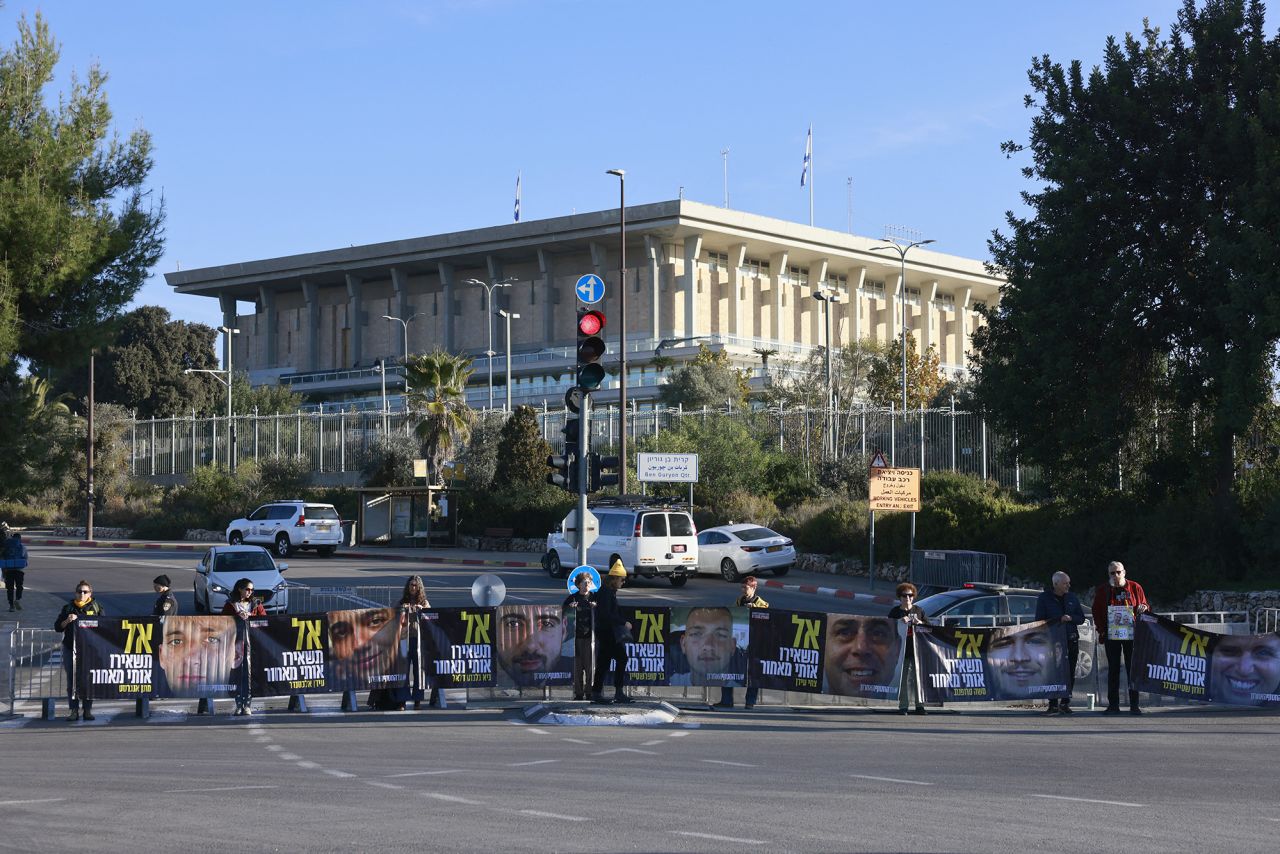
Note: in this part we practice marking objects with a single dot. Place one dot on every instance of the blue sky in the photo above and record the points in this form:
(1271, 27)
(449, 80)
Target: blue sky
(291, 127)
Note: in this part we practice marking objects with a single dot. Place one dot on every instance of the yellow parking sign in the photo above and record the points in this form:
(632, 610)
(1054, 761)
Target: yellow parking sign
(895, 489)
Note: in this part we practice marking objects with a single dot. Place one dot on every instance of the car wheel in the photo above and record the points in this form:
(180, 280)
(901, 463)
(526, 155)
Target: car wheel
(235, 538)
(327, 551)
(729, 570)
(283, 547)
(553, 565)
(679, 580)
(782, 570)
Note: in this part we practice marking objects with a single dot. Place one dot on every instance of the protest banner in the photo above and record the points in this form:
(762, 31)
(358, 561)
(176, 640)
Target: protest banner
(116, 657)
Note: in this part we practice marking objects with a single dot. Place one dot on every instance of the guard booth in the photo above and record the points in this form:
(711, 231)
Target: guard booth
(933, 570)
(407, 516)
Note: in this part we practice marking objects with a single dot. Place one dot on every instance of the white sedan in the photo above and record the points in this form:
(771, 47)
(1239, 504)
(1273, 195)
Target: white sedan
(220, 568)
(737, 550)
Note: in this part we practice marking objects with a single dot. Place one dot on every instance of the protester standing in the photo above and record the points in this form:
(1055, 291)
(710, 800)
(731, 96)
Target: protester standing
(911, 614)
(580, 603)
(83, 605)
(612, 634)
(748, 599)
(1059, 605)
(166, 603)
(15, 565)
(242, 605)
(413, 601)
(1116, 605)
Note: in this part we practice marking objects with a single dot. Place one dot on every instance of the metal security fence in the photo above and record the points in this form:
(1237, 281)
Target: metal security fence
(35, 665)
(945, 439)
(1266, 620)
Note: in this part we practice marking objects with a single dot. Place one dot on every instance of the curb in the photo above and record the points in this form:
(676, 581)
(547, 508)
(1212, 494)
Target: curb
(185, 547)
(830, 591)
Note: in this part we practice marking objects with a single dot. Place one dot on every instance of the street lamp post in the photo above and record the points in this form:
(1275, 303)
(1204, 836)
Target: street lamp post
(622, 326)
(508, 316)
(404, 322)
(224, 377)
(902, 255)
(382, 372)
(488, 312)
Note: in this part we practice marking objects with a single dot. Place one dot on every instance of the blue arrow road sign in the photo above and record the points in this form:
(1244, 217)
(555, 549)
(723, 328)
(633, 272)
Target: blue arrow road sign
(572, 581)
(590, 289)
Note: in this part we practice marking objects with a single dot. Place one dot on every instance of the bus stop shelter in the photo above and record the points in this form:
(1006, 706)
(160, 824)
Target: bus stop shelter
(407, 516)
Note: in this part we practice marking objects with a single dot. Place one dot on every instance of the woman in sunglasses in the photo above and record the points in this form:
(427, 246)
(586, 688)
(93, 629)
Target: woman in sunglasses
(242, 605)
(84, 605)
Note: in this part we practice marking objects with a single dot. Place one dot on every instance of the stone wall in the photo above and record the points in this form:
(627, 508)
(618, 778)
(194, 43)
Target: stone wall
(99, 532)
(504, 544)
(1231, 600)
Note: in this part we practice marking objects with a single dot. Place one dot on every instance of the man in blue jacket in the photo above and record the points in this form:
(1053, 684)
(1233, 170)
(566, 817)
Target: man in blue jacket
(1060, 605)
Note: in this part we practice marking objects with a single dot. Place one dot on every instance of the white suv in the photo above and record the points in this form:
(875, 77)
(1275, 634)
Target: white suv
(651, 540)
(288, 526)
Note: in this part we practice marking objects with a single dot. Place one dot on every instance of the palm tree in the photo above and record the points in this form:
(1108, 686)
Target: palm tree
(764, 353)
(439, 383)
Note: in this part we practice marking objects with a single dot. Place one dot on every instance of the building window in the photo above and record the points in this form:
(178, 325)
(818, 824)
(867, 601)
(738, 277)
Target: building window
(873, 289)
(754, 267)
(837, 281)
(946, 302)
(798, 275)
(913, 295)
(717, 260)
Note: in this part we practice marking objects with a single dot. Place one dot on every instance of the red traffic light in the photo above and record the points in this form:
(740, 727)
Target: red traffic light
(590, 323)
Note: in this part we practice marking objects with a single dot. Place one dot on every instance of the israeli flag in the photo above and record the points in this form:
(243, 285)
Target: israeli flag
(808, 156)
(517, 197)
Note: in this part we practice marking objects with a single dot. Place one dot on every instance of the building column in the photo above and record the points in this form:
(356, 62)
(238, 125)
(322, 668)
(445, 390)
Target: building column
(806, 296)
(271, 319)
(928, 293)
(599, 259)
(446, 283)
(355, 318)
(501, 296)
(549, 297)
(778, 261)
(228, 305)
(855, 296)
(692, 249)
(311, 293)
(652, 248)
(737, 257)
(962, 327)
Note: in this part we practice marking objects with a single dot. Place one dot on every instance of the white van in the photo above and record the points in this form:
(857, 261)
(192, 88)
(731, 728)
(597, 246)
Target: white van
(651, 541)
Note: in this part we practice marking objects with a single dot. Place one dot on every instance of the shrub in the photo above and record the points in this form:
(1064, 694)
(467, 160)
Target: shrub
(21, 514)
(530, 511)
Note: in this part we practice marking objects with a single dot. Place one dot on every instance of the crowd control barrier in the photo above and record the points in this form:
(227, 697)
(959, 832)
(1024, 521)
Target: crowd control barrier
(507, 650)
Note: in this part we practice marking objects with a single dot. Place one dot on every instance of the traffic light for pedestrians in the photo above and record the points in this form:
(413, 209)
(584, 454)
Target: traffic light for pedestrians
(590, 349)
(565, 466)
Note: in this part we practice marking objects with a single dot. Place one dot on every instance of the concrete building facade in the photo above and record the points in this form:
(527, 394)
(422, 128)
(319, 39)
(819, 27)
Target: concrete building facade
(696, 274)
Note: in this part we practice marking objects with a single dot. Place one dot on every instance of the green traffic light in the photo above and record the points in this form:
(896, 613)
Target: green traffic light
(590, 376)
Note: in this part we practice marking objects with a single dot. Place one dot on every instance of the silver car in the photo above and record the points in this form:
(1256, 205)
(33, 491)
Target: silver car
(737, 550)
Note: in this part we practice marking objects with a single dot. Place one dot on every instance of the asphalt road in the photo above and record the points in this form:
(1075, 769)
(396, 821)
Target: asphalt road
(121, 580)
(482, 780)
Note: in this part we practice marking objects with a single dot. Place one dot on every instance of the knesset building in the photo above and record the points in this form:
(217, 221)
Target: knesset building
(696, 274)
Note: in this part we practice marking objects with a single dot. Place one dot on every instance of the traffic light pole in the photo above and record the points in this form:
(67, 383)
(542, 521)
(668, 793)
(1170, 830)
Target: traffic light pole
(584, 437)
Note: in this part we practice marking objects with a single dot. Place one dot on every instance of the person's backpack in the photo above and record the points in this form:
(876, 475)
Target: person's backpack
(12, 548)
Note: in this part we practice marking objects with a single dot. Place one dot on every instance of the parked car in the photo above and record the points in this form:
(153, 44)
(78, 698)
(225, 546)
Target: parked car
(220, 568)
(288, 526)
(744, 549)
(980, 604)
(651, 540)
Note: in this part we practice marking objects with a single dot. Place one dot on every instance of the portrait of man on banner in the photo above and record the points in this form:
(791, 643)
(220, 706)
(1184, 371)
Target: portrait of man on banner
(1027, 662)
(196, 656)
(710, 646)
(534, 646)
(364, 649)
(1245, 670)
(863, 656)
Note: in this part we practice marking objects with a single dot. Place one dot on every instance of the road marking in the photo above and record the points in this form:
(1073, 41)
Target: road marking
(889, 780)
(99, 558)
(716, 838)
(520, 598)
(32, 801)
(534, 762)
(382, 785)
(538, 731)
(453, 799)
(555, 815)
(289, 757)
(15, 723)
(677, 734)
(222, 789)
(275, 747)
(308, 765)
(332, 773)
(576, 740)
(726, 762)
(624, 750)
(426, 773)
(652, 743)
(1088, 800)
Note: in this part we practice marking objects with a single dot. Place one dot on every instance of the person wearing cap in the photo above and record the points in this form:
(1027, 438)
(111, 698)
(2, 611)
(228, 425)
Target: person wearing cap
(166, 603)
(910, 613)
(1116, 605)
(612, 631)
(15, 560)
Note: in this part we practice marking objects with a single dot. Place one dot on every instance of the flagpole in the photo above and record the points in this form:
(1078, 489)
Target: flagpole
(810, 175)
